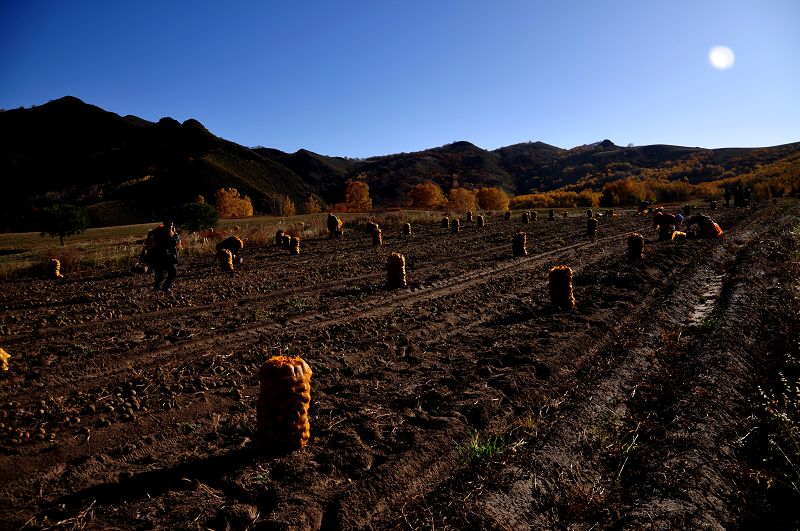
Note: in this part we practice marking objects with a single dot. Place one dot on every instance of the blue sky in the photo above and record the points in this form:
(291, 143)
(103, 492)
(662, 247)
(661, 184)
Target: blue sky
(377, 77)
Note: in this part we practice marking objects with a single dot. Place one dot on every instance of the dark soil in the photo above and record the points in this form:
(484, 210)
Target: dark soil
(129, 409)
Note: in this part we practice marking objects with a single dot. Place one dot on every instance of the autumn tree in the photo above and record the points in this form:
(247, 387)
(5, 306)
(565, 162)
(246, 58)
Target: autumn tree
(587, 198)
(287, 207)
(492, 199)
(462, 200)
(426, 196)
(230, 204)
(357, 197)
(622, 192)
(312, 205)
(196, 216)
(63, 220)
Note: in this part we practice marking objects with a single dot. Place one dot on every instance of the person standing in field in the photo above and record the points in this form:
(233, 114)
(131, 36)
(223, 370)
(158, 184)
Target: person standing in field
(161, 252)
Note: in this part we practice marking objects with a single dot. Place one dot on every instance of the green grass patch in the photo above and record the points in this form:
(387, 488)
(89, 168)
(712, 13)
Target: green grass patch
(479, 448)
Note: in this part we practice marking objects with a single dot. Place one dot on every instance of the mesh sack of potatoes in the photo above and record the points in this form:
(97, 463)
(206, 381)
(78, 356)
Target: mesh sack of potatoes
(559, 285)
(396, 271)
(282, 407)
(518, 244)
(294, 246)
(225, 258)
(635, 247)
(54, 268)
(591, 227)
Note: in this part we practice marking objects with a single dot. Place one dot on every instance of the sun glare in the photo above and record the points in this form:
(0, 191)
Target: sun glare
(721, 57)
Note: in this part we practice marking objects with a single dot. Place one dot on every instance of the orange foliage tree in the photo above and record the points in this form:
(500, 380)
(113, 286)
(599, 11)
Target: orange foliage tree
(426, 196)
(492, 199)
(230, 204)
(462, 200)
(357, 197)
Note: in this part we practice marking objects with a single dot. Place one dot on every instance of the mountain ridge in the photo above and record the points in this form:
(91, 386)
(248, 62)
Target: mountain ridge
(69, 150)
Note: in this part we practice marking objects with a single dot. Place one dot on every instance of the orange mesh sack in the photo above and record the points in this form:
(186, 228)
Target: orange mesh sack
(54, 268)
(481, 221)
(455, 226)
(294, 246)
(445, 222)
(635, 247)
(518, 242)
(469, 216)
(678, 235)
(225, 260)
(406, 229)
(377, 237)
(559, 284)
(526, 217)
(396, 271)
(282, 407)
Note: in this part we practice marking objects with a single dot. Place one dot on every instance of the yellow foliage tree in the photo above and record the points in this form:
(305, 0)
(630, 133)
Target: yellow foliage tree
(492, 199)
(462, 200)
(287, 207)
(426, 196)
(357, 197)
(312, 205)
(230, 204)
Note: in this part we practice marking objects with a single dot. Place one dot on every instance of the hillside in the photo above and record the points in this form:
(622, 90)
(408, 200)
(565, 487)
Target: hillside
(70, 151)
(132, 169)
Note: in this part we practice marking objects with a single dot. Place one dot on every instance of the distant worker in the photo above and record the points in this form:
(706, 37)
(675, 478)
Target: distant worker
(666, 224)
(161, 252)
(706, 227)
(234, 245)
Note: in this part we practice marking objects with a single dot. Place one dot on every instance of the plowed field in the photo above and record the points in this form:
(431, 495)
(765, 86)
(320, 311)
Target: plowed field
(129, 409)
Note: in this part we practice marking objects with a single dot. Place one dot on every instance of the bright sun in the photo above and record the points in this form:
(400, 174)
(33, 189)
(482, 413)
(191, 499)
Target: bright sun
(721, 57)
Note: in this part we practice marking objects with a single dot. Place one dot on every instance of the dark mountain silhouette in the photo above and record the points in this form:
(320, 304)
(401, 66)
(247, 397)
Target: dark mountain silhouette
(68, 150)
(129, 169)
